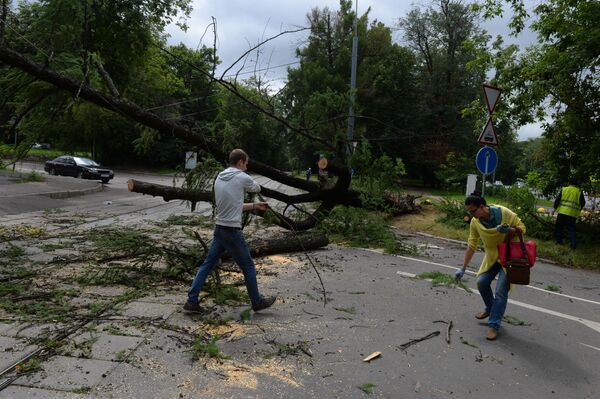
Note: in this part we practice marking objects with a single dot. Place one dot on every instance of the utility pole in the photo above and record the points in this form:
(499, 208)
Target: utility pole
(353, 82)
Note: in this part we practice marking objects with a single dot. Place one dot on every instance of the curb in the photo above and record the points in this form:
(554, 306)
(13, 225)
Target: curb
(73, 193)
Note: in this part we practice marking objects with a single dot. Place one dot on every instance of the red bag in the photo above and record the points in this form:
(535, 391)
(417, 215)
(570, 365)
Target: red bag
(517, 258)
(518, 251)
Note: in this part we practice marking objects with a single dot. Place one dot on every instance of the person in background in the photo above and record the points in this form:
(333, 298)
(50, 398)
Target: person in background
(308, 174)
(230, 186)
(491, 224)
(568, 205)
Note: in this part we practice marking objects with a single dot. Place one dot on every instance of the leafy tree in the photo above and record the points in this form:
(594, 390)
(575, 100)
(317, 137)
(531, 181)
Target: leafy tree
(104, 43)
(559, 75)
(445, 39)
(317, 94)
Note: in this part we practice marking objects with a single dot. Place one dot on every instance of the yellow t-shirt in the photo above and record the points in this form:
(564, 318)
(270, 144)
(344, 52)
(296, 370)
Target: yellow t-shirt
(491, 238)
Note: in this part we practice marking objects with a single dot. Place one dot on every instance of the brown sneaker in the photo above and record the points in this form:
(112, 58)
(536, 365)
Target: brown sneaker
(482, 315)
(264, 303)
(491, 334)
(193, 307)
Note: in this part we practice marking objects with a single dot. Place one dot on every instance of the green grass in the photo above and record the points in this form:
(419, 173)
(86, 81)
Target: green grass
(245, 315)
(226, 293)
(552, 288)
(56, 309)
(203, 348)
(439, 278)
(586, 256)
(44, 154)
(13, 252)
(32, 364)
(357, 227)
(32, 177)
(120, 355)
(351, 310)
(117, 240)
(83, 389)
(53, 247)
(10, 288)
(367, 388)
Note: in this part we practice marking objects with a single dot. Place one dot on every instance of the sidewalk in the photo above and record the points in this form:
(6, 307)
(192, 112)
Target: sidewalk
(17, 194)
(14, 185)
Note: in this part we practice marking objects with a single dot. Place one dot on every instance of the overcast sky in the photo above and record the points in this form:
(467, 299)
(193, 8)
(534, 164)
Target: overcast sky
(241, 24)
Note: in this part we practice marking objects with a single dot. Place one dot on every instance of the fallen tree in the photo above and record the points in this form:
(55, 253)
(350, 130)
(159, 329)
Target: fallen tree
(328, 196)
(401, 203)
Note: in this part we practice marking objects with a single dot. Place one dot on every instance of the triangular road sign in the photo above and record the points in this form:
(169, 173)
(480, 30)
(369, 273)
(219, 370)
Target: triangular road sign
(488, 134)
(492, 94)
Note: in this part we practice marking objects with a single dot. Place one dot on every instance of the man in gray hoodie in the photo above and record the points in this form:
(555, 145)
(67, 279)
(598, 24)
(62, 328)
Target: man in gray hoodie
(230, 186)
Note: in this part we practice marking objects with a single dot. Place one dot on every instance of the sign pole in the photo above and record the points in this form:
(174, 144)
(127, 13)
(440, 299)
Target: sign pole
(487, 162)
(489, 137)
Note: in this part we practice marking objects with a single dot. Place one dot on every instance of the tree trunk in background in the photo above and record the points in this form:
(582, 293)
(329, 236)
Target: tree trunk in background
(3, 17)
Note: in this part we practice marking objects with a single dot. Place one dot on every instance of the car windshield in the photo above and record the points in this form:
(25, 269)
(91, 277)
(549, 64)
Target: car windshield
(85, 161)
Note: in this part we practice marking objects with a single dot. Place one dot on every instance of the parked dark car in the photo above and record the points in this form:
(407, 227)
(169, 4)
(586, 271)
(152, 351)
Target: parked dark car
(82, 168)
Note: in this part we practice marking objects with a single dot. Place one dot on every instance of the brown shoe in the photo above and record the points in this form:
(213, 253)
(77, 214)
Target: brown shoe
(482, 315)
(491, 334)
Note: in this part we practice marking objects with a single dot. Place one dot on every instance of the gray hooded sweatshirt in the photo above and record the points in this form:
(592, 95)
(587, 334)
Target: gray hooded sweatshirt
(230, 186)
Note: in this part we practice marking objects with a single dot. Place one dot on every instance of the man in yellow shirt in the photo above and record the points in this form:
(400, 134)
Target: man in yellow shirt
(568, 205)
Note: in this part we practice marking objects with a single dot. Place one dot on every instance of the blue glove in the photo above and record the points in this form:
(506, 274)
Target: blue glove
(503, 228)
(459, 274)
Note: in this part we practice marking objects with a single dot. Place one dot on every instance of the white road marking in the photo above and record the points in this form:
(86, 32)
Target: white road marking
(589, 346)
(594, 325)
(473, 273)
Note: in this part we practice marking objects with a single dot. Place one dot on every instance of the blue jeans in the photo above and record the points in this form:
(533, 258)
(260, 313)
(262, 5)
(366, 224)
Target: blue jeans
(231, 240)
(494, 305)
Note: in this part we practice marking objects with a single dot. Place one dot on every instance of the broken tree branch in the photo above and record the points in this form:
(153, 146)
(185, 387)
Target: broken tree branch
(137, 114)
(414, 341)
(106, 78)
(448, 327)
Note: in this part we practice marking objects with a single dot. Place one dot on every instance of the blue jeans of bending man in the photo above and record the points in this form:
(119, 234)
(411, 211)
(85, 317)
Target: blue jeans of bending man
(495, 305)
(231, 240)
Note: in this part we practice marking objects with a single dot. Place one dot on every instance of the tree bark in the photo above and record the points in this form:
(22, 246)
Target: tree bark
(169, 193)
(3, 18)
(286, 243)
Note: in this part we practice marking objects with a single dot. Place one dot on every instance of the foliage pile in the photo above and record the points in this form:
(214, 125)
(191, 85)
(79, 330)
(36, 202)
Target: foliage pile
(361, 228)
(453, 213)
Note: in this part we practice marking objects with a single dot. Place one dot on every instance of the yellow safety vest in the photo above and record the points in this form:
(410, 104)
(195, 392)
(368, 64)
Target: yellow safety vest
(569, 201)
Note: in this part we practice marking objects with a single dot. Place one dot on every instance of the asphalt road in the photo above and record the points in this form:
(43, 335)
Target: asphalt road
(375, 304)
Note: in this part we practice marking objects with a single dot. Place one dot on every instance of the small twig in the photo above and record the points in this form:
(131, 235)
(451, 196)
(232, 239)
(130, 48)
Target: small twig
(201, 242)
(312, 314)
(449, 326)
(414, 341)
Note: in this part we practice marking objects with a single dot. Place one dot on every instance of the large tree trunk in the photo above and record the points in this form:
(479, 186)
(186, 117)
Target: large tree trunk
(400, 203)
(169, 193)
(286, 243)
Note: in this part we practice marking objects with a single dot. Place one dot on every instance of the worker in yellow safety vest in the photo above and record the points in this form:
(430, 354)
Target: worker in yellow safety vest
(568, 205)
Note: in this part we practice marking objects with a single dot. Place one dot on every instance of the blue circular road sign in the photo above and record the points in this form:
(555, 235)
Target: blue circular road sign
(486, 160)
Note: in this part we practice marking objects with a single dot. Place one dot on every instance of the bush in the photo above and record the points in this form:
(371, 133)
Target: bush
(375, 176)
(455, 213)
(360, 228)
